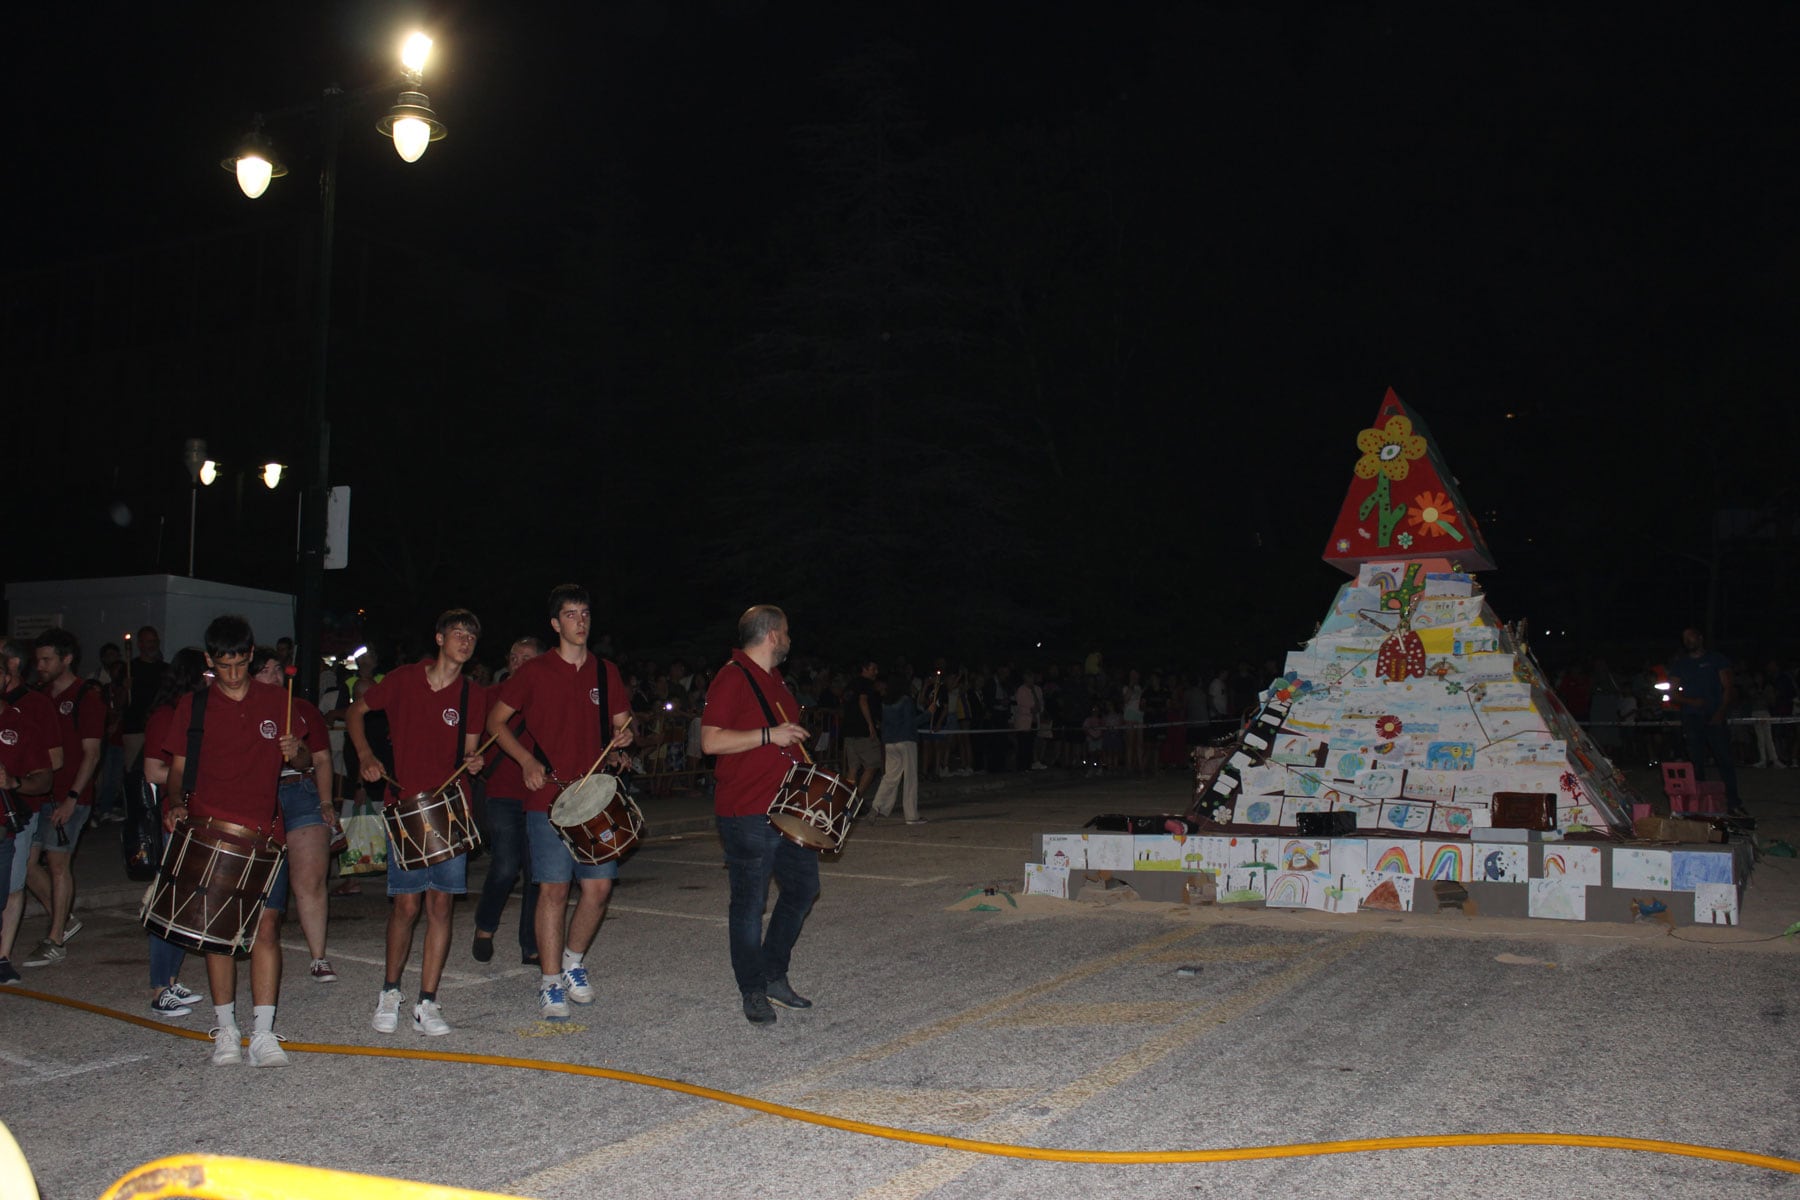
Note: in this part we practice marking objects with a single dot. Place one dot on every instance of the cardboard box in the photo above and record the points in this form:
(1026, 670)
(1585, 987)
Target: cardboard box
(1671, 829)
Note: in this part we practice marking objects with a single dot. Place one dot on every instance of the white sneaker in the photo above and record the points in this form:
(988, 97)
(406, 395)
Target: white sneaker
(266, 1051)
(575, 985)
(185, 995)
(551, 1004)
(387, 1011)
(428, 1019)
(168, 1004)
(225, 1046)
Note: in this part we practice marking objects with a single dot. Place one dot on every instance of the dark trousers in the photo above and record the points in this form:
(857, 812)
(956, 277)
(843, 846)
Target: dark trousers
(755, 854)
(1704, 737)
(507, 859)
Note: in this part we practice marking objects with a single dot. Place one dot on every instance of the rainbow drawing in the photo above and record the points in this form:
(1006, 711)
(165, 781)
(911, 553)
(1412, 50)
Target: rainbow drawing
(1289, 890)
(1393, 861)
(1554, 865)
(1447, 863)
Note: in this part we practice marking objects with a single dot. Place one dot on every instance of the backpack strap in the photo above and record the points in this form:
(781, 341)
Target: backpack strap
(768, 712)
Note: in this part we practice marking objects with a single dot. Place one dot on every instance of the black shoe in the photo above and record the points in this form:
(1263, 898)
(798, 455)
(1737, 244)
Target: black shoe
(530, 960)
(780, 993)
(757, 1010)
(8, 974)
(483, 949)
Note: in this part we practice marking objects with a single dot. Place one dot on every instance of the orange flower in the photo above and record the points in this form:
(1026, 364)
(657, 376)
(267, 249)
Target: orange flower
(1433, 515)
(1388, 450)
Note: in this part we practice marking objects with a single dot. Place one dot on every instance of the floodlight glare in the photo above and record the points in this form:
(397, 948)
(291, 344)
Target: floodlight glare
(271, 474)
(209, 471)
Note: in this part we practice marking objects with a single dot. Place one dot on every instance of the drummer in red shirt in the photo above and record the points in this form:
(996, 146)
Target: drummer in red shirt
(434, 714)
(746, 724)
(560, 694)
(25, 775)
(242, 750)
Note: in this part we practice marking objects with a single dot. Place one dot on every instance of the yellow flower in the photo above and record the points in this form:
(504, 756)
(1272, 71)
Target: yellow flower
(1388, 450)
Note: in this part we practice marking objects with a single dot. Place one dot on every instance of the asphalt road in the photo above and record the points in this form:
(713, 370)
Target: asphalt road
(1049, 1024)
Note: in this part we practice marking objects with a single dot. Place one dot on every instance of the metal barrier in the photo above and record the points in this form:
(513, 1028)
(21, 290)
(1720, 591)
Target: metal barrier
(214, 1177)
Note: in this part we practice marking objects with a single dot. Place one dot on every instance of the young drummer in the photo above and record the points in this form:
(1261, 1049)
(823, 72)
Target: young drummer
(435, 713)
(567, 696)
(242, 749)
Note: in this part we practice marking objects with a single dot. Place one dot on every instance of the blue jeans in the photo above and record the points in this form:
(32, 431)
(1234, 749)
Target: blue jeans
(755, 853)
(506, 859)
(165, 957)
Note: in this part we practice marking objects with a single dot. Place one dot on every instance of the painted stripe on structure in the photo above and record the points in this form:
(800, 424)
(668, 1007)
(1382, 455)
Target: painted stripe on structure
(581, 1169)
(1023, 1128)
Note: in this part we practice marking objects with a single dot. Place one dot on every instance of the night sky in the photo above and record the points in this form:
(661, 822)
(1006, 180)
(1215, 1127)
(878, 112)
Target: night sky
(952, 328)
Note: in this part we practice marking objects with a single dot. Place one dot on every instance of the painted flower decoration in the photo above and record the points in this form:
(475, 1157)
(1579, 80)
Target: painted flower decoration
(1388, 450)
(1433, 515)
(1343, 545)
(1389, 727)
(1405, 541)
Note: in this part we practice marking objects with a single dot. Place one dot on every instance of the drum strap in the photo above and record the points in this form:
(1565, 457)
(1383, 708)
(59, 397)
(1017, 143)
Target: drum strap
(196, 726)
(768, 712)
(462, 717)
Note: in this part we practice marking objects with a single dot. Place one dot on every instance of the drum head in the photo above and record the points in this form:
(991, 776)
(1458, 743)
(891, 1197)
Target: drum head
(580, 803)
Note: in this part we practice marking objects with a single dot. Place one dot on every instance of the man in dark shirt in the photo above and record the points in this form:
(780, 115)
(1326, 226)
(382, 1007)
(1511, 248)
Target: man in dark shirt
(1702, 678)
(862, 740)
(144, 677)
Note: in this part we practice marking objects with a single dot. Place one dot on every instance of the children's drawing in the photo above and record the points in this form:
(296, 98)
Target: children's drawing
(1257, 810)
(1158, 851)
(1452, 818)
(1558, 899)
(1393, 858)
(1349, 856)
(1649, 870)
(1109, 851)
(1289, 889)
(1577, 864)
(1043, 879)
(1715, 904)
(1446, 860)
(1343, 892)
(1065, 850)
(1239, 885)
(1304, 854)
(1408, 815)
(1449, 756)
(1693, 868)
(1389, 893)
(1502, 863)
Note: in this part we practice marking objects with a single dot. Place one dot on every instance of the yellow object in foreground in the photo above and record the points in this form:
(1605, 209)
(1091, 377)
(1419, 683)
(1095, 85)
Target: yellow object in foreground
(214, 1177)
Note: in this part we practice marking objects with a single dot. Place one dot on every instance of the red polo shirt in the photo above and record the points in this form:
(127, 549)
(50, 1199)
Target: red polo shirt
(156, 735)
(507, 781)
(427, 726)
(80, 714)
(22, 750)
(240, 756)
(561, 704)
(747, 782)
(38, 714)
(310, 726)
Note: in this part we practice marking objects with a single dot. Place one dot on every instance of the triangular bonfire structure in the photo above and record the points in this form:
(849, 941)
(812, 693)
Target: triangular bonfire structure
(1402, 500)
(1412, 708)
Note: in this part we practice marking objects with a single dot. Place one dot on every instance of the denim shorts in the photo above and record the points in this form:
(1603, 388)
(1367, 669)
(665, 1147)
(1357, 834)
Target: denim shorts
(551, 861)
(21, 844)
(278, 890)
(451, 876)
(300, 803)
(46, 831)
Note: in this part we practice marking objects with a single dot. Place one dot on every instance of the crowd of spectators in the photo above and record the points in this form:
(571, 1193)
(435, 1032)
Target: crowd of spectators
(1632, 718)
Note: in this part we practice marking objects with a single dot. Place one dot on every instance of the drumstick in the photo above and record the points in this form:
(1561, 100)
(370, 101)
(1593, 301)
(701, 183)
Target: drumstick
(465, 766)
(288, 729)
(608, 750)
(782, 712)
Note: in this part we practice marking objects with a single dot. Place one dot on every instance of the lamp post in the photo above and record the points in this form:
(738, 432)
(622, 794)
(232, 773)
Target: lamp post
(193, 456)
(413, 127)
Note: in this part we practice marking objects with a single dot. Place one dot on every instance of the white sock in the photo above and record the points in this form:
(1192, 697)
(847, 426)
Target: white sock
(549, 982)
(225, 1015)
(262, 1018)
(570, 960)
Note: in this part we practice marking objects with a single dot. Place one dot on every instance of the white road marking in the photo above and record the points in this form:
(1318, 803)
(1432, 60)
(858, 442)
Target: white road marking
(824, 872)
(44, 1072)
(663, 912)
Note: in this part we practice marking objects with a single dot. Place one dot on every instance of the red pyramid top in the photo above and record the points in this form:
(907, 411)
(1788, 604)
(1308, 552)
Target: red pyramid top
(1403, 502)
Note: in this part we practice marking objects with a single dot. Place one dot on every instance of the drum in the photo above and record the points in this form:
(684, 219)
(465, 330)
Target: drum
(426, 830)
(597, 821)
(814, 808)
(210, 889)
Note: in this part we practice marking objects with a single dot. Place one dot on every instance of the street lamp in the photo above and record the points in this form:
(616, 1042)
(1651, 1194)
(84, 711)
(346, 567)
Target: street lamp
(193, 456)
(413, 126)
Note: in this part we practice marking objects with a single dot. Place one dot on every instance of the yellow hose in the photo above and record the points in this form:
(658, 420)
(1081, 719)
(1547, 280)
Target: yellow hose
(1000, 1149)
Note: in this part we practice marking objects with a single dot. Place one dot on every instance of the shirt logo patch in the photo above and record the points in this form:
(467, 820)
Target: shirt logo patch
(9, 737)
(452, 717)
(66, 707)
(267, 729)
(594, 697)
